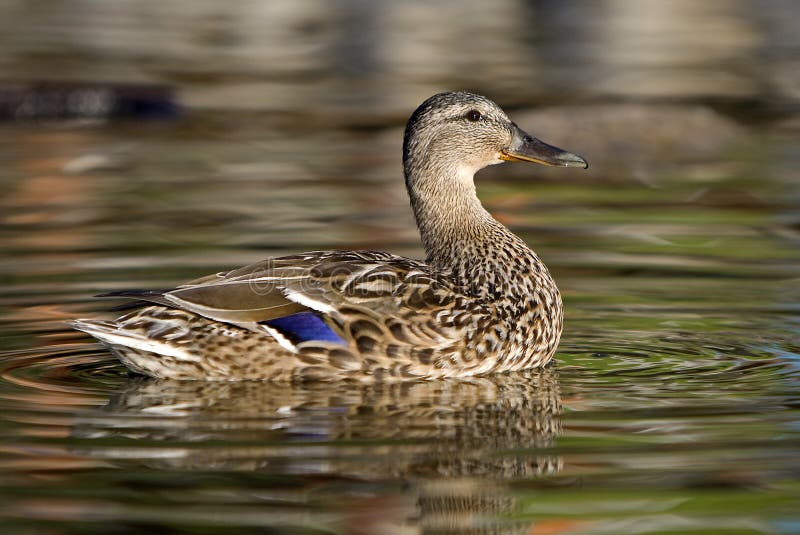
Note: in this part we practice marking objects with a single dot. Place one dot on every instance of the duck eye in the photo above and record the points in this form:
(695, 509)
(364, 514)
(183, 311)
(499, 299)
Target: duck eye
(474, 116)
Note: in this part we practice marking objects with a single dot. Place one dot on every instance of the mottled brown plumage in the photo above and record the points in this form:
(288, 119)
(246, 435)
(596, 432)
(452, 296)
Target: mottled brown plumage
(483, 302)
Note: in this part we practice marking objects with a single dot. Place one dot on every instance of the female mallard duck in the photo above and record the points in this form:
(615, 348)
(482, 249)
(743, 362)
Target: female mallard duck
(483, 302)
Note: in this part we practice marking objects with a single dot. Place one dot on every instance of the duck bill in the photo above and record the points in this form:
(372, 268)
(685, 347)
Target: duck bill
(526, 148)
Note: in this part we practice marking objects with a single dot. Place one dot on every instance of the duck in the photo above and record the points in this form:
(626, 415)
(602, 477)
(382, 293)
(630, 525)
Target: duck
(481, 303)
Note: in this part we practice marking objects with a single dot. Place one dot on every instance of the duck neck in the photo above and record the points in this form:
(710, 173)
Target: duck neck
(456, 230)
(461, 238)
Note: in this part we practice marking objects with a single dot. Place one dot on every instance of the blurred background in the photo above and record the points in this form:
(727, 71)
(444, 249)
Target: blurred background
(355, 60)
(209, 104)
(145, 143)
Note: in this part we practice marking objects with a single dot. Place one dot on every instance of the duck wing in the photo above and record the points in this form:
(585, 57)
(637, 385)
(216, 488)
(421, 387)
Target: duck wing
(349, 291)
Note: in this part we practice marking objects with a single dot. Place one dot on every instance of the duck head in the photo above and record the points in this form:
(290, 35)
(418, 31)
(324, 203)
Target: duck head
(460, 133)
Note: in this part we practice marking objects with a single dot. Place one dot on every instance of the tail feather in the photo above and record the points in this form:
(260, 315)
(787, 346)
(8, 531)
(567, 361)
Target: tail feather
(93, 327)
(140, 297)
(169, 342)
(110, 334)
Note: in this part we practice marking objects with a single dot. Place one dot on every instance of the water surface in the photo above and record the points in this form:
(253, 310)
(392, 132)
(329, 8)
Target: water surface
(673, 403)
(672, 406)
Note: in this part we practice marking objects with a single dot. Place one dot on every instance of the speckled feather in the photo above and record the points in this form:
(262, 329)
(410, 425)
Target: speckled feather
(483, 302)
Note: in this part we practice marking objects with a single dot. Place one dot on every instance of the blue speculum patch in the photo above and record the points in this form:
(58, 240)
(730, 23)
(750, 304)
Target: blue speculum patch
(304, 327)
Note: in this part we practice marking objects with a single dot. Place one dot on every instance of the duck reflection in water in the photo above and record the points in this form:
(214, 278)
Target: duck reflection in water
(482, 303)
(450, 444)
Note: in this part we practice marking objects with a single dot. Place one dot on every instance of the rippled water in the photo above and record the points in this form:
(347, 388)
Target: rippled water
(673, 406)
